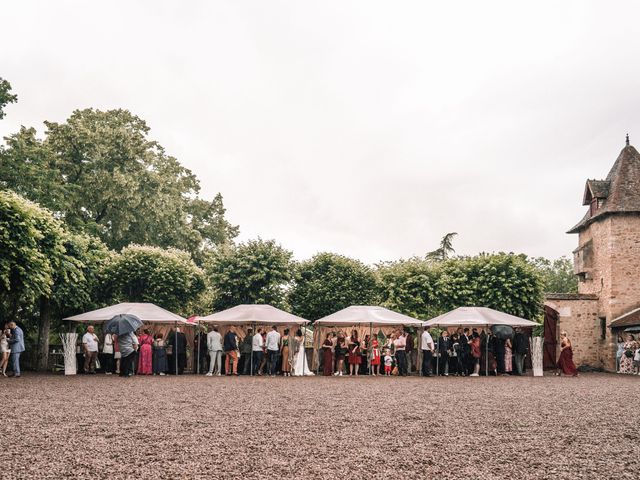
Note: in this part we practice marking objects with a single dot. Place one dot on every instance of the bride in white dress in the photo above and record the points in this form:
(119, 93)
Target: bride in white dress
(300, 364)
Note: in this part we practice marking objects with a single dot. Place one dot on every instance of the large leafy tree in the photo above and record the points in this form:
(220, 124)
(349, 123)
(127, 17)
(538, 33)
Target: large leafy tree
(557, 275)
(329, 282)
(103, 175)
(505, 282)
(6, 97)
(45, 271)
(410, 287)
(257, 271)
(167, 277)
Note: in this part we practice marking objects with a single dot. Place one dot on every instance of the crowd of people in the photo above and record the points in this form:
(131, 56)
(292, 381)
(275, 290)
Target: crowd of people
(466, 352)
(133, 353)
(463, 352)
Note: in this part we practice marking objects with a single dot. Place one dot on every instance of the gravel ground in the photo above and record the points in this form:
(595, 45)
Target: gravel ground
(198, 427)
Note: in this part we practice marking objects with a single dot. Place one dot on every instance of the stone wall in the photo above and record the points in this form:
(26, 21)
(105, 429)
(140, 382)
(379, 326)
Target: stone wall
(578, 316)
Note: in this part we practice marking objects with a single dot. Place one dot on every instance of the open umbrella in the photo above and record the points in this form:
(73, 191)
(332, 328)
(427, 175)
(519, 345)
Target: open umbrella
(123, 324)
(502, 331)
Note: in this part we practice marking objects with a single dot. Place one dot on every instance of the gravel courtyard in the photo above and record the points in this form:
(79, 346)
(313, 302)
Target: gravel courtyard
(197, 427)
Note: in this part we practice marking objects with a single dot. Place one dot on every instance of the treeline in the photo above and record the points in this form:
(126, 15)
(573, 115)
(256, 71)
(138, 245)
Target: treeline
(95, 213)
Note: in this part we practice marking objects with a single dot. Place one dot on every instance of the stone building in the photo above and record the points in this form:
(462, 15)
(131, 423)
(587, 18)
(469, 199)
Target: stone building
(607, 263)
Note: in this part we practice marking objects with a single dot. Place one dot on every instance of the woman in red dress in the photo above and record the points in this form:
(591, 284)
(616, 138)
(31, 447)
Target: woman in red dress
(375, 358)
(354, 353)
(145, 358)
(327, 356)
(565, 362)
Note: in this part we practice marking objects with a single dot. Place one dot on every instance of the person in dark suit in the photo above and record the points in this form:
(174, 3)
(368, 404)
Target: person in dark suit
(498, 351)
(465, 350)
(178, 342)
(16, 343)
(444, 349)
(520, 349)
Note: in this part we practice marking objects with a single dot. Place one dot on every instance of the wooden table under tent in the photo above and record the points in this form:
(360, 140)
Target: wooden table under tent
(242, 317)
(155, 318)
(482, 317)
(377, 322)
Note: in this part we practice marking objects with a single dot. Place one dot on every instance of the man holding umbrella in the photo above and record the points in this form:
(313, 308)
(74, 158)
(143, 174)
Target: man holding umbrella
(123, 326)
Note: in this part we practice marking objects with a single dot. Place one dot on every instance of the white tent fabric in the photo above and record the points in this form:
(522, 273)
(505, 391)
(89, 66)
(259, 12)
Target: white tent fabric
(147, 312)
(259, 314)
(477, 317)
(369, 315)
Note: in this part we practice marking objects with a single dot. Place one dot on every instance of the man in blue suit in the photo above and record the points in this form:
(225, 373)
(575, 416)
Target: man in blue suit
(16, 341)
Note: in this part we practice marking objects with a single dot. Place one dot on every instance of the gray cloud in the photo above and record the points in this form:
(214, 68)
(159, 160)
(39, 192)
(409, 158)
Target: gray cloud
(365, 128)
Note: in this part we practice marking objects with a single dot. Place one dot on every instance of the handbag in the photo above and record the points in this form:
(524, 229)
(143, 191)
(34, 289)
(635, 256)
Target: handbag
(628, 353)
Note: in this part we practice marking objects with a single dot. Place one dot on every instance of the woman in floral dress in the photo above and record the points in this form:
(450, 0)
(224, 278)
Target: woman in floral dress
(626, 361)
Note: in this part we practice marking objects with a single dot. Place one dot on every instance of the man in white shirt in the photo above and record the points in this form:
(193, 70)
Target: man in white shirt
(427, 347)
(214, 345)
(273, 350)
(90, 346)
(257, 351)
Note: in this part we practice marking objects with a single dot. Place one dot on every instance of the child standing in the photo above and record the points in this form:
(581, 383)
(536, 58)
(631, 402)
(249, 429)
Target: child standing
(636, 361)
(375, 358)
(388, 362)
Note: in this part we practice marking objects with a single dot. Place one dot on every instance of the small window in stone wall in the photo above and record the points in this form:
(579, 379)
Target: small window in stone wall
(603, 328)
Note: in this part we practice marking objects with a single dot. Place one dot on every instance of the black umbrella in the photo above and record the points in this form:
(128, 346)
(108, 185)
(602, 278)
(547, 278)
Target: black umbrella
(502, 331)
(122, 324)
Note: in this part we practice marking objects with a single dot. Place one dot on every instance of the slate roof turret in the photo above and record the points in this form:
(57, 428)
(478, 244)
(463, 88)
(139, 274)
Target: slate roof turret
(619, 193)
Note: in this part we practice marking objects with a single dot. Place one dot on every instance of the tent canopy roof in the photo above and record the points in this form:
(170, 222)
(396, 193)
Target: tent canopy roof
(260, 314)
(477, 317)
(147, 312)
(369, 315)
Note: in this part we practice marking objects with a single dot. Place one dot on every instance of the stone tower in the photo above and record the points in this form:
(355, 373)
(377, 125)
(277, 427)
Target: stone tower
(607, 262)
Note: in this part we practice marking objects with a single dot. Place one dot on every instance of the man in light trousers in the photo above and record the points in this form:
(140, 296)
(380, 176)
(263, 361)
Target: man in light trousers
(214, 345)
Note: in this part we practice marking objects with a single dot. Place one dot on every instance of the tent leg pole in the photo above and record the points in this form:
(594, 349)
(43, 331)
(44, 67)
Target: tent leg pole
(304, 351)
(486, 354)
(251, 358)
(175, 346)
(199, 342)
(370, 347)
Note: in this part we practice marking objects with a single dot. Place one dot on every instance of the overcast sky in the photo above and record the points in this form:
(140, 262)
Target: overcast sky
(366, 128)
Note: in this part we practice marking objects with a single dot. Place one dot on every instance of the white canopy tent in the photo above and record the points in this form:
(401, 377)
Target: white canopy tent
(256, 316)
(253, 314)
(362, 316)
(147, 312)
(367, 315)
(477, 317)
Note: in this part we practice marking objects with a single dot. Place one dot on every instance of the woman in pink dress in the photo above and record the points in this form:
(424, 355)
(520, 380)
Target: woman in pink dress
(145, 358)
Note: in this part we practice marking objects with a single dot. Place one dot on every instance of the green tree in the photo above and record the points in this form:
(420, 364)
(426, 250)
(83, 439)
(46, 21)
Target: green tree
(557, 275)
(6, 97)
(329, 282)
(167, 277)
(257, 271)
(505, 282)
(102, 174)
(445, 250)
(410, 287)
